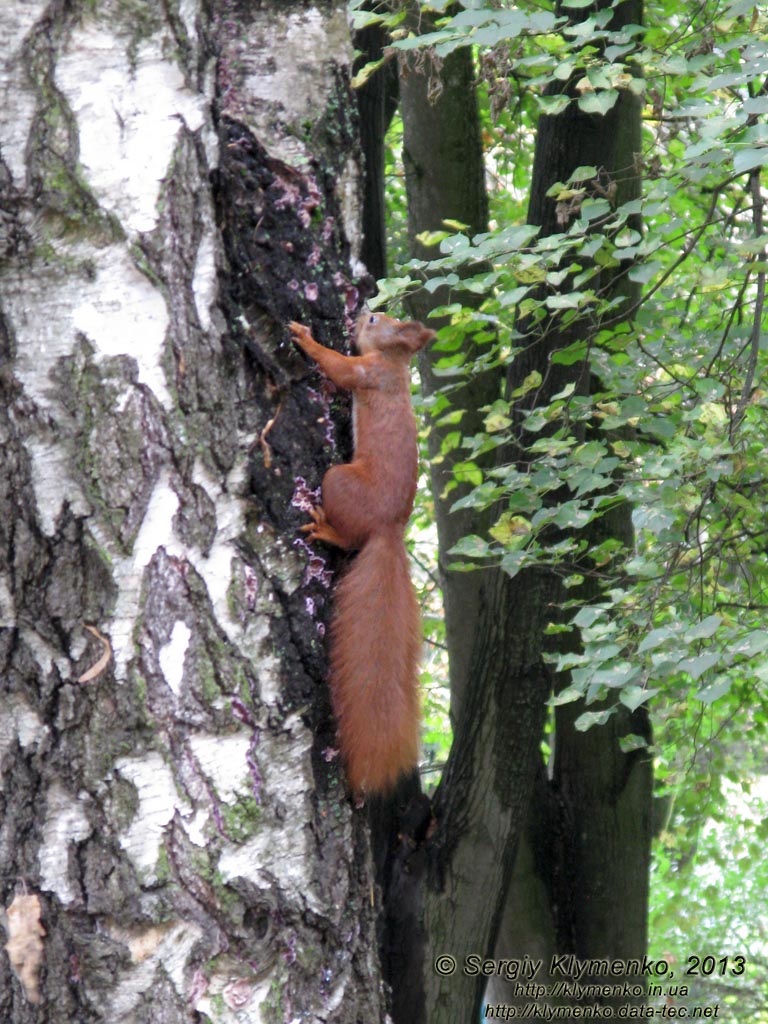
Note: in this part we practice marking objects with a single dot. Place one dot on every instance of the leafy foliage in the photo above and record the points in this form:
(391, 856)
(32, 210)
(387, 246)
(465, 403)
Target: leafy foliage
(708, 881)
(678, 422)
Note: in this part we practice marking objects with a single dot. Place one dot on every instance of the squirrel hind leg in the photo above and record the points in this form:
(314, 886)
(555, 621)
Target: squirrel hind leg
(320, 529)
(350, 503)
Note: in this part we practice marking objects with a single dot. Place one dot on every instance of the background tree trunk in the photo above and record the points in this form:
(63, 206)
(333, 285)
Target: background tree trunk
(589, 834)
(175, 184)
(445, 179)
(498, 687)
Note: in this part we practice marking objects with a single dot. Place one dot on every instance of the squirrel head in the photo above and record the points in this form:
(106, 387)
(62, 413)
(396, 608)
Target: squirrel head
(375, 332)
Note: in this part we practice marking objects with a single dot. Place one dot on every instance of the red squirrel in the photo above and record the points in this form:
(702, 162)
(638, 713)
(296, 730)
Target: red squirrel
(376, 625)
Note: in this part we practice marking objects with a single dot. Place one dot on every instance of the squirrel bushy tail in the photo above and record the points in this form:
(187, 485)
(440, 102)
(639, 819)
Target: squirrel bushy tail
(375, 647)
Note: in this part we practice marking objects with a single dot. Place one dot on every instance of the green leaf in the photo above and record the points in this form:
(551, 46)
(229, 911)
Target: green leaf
(552, 105)
(633, 696)
(598, 102)
(753, 643)
(471, 546)
(571, 300)
(511, 530)
(632, 742)
(498, 417)
(655, 639)
(533, 380)
(368, 69)
(709, 694)
(748, 159)
(588, 615)
(590, 718)
(468, 472)
(513, 561)
(584, 173)
(566, 696)
(430, 238)
(573, 353)
(698, 665)
(756, 105)
(642, 273)
(703, 630)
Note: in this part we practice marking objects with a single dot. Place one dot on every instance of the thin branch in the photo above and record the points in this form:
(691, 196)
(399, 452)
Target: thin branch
(754, 341)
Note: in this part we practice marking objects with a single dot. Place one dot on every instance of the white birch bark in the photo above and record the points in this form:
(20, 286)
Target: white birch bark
(158, 790)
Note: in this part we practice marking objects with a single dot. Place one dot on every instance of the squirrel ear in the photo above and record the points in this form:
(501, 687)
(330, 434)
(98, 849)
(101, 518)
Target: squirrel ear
(415, 335)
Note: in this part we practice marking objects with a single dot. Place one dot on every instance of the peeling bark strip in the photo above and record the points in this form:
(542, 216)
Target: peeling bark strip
(176, 182)
(25, 942)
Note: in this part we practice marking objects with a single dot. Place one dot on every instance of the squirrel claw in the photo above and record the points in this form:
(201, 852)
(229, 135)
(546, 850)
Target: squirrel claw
(318, 517)
(319, 520)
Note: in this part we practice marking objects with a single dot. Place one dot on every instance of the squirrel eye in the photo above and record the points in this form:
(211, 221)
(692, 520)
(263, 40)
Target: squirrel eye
(371, 319)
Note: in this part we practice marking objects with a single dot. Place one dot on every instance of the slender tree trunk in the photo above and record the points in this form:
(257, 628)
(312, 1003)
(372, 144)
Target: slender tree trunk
(445, 179)
(377, 103)
(176, 843)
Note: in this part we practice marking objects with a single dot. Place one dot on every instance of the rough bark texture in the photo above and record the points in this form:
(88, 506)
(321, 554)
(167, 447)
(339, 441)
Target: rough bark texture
(483, 798)
(176, 181)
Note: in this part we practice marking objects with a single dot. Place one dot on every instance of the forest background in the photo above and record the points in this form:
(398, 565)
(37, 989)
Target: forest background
(676, 429)
(575, 198)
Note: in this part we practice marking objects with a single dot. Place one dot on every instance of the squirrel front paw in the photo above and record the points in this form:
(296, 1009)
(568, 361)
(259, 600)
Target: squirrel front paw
(301, 334)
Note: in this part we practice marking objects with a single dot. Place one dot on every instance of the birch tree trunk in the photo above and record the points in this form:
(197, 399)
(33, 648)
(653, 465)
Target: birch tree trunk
(176, 181)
